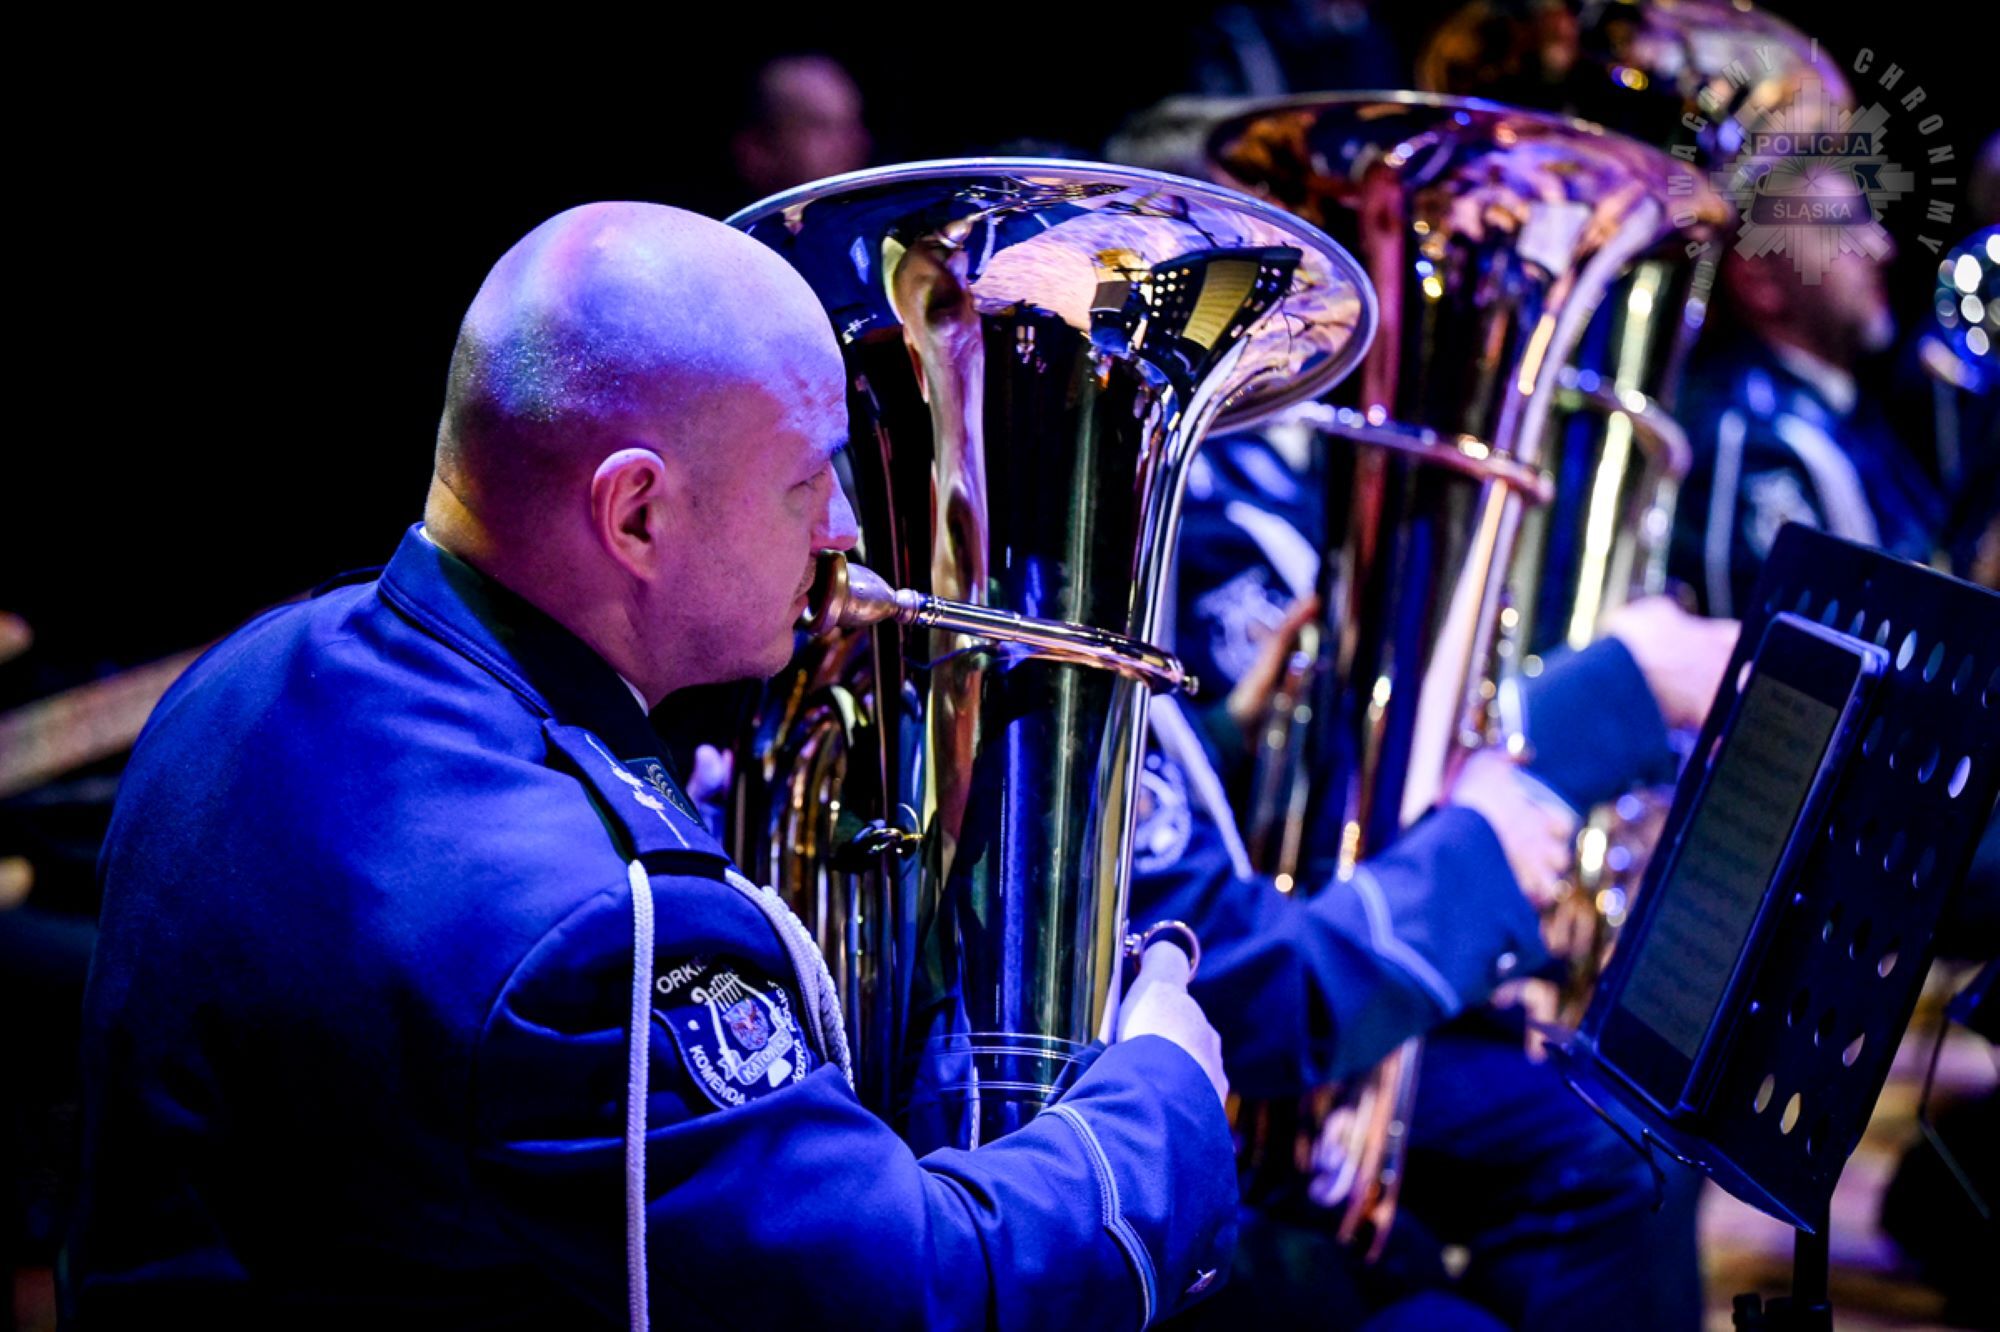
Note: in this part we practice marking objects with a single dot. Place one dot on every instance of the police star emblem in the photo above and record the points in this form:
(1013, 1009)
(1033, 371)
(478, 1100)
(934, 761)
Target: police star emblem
(1812, 180)
(748, 1023)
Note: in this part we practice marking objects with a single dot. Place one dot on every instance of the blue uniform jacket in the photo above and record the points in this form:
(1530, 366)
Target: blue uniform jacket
(357, 1032)
(1307, 987)
(1769, 449)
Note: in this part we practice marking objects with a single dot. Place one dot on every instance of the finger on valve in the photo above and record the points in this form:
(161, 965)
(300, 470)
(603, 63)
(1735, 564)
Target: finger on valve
(1159, 1005)
(1164, 963)
(1535, 838)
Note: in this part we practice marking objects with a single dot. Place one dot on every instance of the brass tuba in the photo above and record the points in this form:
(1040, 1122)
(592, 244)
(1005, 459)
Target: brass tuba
(1687, 76)
(1491, 235)
(1035, 349)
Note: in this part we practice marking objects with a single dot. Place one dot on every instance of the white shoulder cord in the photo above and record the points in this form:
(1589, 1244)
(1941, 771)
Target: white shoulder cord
(823, 1008)
(822, 1003)
(637, 1084)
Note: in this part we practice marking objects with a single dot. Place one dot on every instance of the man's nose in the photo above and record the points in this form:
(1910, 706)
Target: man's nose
(838, 530)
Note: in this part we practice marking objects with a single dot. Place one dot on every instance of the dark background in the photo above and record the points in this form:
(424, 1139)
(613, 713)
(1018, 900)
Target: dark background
(242, 273)
(241, 253)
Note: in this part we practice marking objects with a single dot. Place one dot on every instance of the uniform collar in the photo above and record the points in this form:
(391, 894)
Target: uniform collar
(556, 673)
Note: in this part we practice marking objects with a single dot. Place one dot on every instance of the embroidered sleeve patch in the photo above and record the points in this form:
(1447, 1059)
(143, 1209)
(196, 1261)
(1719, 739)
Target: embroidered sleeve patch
(1164, 823)
(1242, 613)
(737, 1030)
(1773, 499)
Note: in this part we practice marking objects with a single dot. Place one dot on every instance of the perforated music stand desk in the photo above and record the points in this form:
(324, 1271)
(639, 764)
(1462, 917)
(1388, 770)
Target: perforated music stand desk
(1816, 1030)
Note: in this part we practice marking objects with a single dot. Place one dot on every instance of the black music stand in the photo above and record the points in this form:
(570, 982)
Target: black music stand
(1815, 1033)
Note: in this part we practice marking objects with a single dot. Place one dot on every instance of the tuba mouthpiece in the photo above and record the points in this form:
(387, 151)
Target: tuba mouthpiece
(846, 595)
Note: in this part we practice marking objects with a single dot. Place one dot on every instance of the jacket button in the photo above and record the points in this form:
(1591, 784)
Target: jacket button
(1203, 1280)
(1505, 964)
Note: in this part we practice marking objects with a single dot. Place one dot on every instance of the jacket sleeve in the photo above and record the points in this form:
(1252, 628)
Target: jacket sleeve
(801, 1207)
(1305, 989)
(1594, 726)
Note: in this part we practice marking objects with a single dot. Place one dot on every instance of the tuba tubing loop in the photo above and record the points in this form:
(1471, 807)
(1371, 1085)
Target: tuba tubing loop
(1657, 431)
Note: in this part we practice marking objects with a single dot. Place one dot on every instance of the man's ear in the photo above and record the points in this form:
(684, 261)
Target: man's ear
(631, 495)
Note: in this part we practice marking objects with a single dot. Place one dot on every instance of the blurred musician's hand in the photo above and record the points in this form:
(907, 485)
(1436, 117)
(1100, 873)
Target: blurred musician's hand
(1158, 1004)
(1537, 835)
(1540, 1002)
(1682, 656)
(708, 784)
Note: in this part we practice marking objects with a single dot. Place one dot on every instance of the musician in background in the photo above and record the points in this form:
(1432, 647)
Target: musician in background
(802, 121)
(393, 869)
(1784, 433)
(1552, 1206)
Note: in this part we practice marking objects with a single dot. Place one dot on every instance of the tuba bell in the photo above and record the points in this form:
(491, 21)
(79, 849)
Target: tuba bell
(1685, 76)
(945, 780)
(1492, 236)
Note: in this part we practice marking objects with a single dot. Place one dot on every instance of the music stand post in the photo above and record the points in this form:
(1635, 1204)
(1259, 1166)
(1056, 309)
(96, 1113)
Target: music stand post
(1815, 1031)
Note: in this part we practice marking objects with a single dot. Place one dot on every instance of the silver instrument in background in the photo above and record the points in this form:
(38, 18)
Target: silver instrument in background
(1960, 350)
(1035, 348)
(1960, 353)
(1491, 236)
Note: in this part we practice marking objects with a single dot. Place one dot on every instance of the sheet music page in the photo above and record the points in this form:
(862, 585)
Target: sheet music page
(1710, 896)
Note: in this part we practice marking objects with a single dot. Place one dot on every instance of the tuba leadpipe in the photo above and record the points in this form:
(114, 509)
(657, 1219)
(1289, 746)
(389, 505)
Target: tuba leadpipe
(848, 596)
(949, 772)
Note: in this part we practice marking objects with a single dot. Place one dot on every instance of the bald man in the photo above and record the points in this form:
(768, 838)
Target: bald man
(422, 997)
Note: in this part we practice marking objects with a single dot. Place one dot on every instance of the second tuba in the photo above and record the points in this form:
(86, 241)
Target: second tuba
(1693, 77)
(1492, 236)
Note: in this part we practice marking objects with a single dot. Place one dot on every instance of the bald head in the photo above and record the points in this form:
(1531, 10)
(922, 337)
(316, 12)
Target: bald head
(612, 326)
(638, 437)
